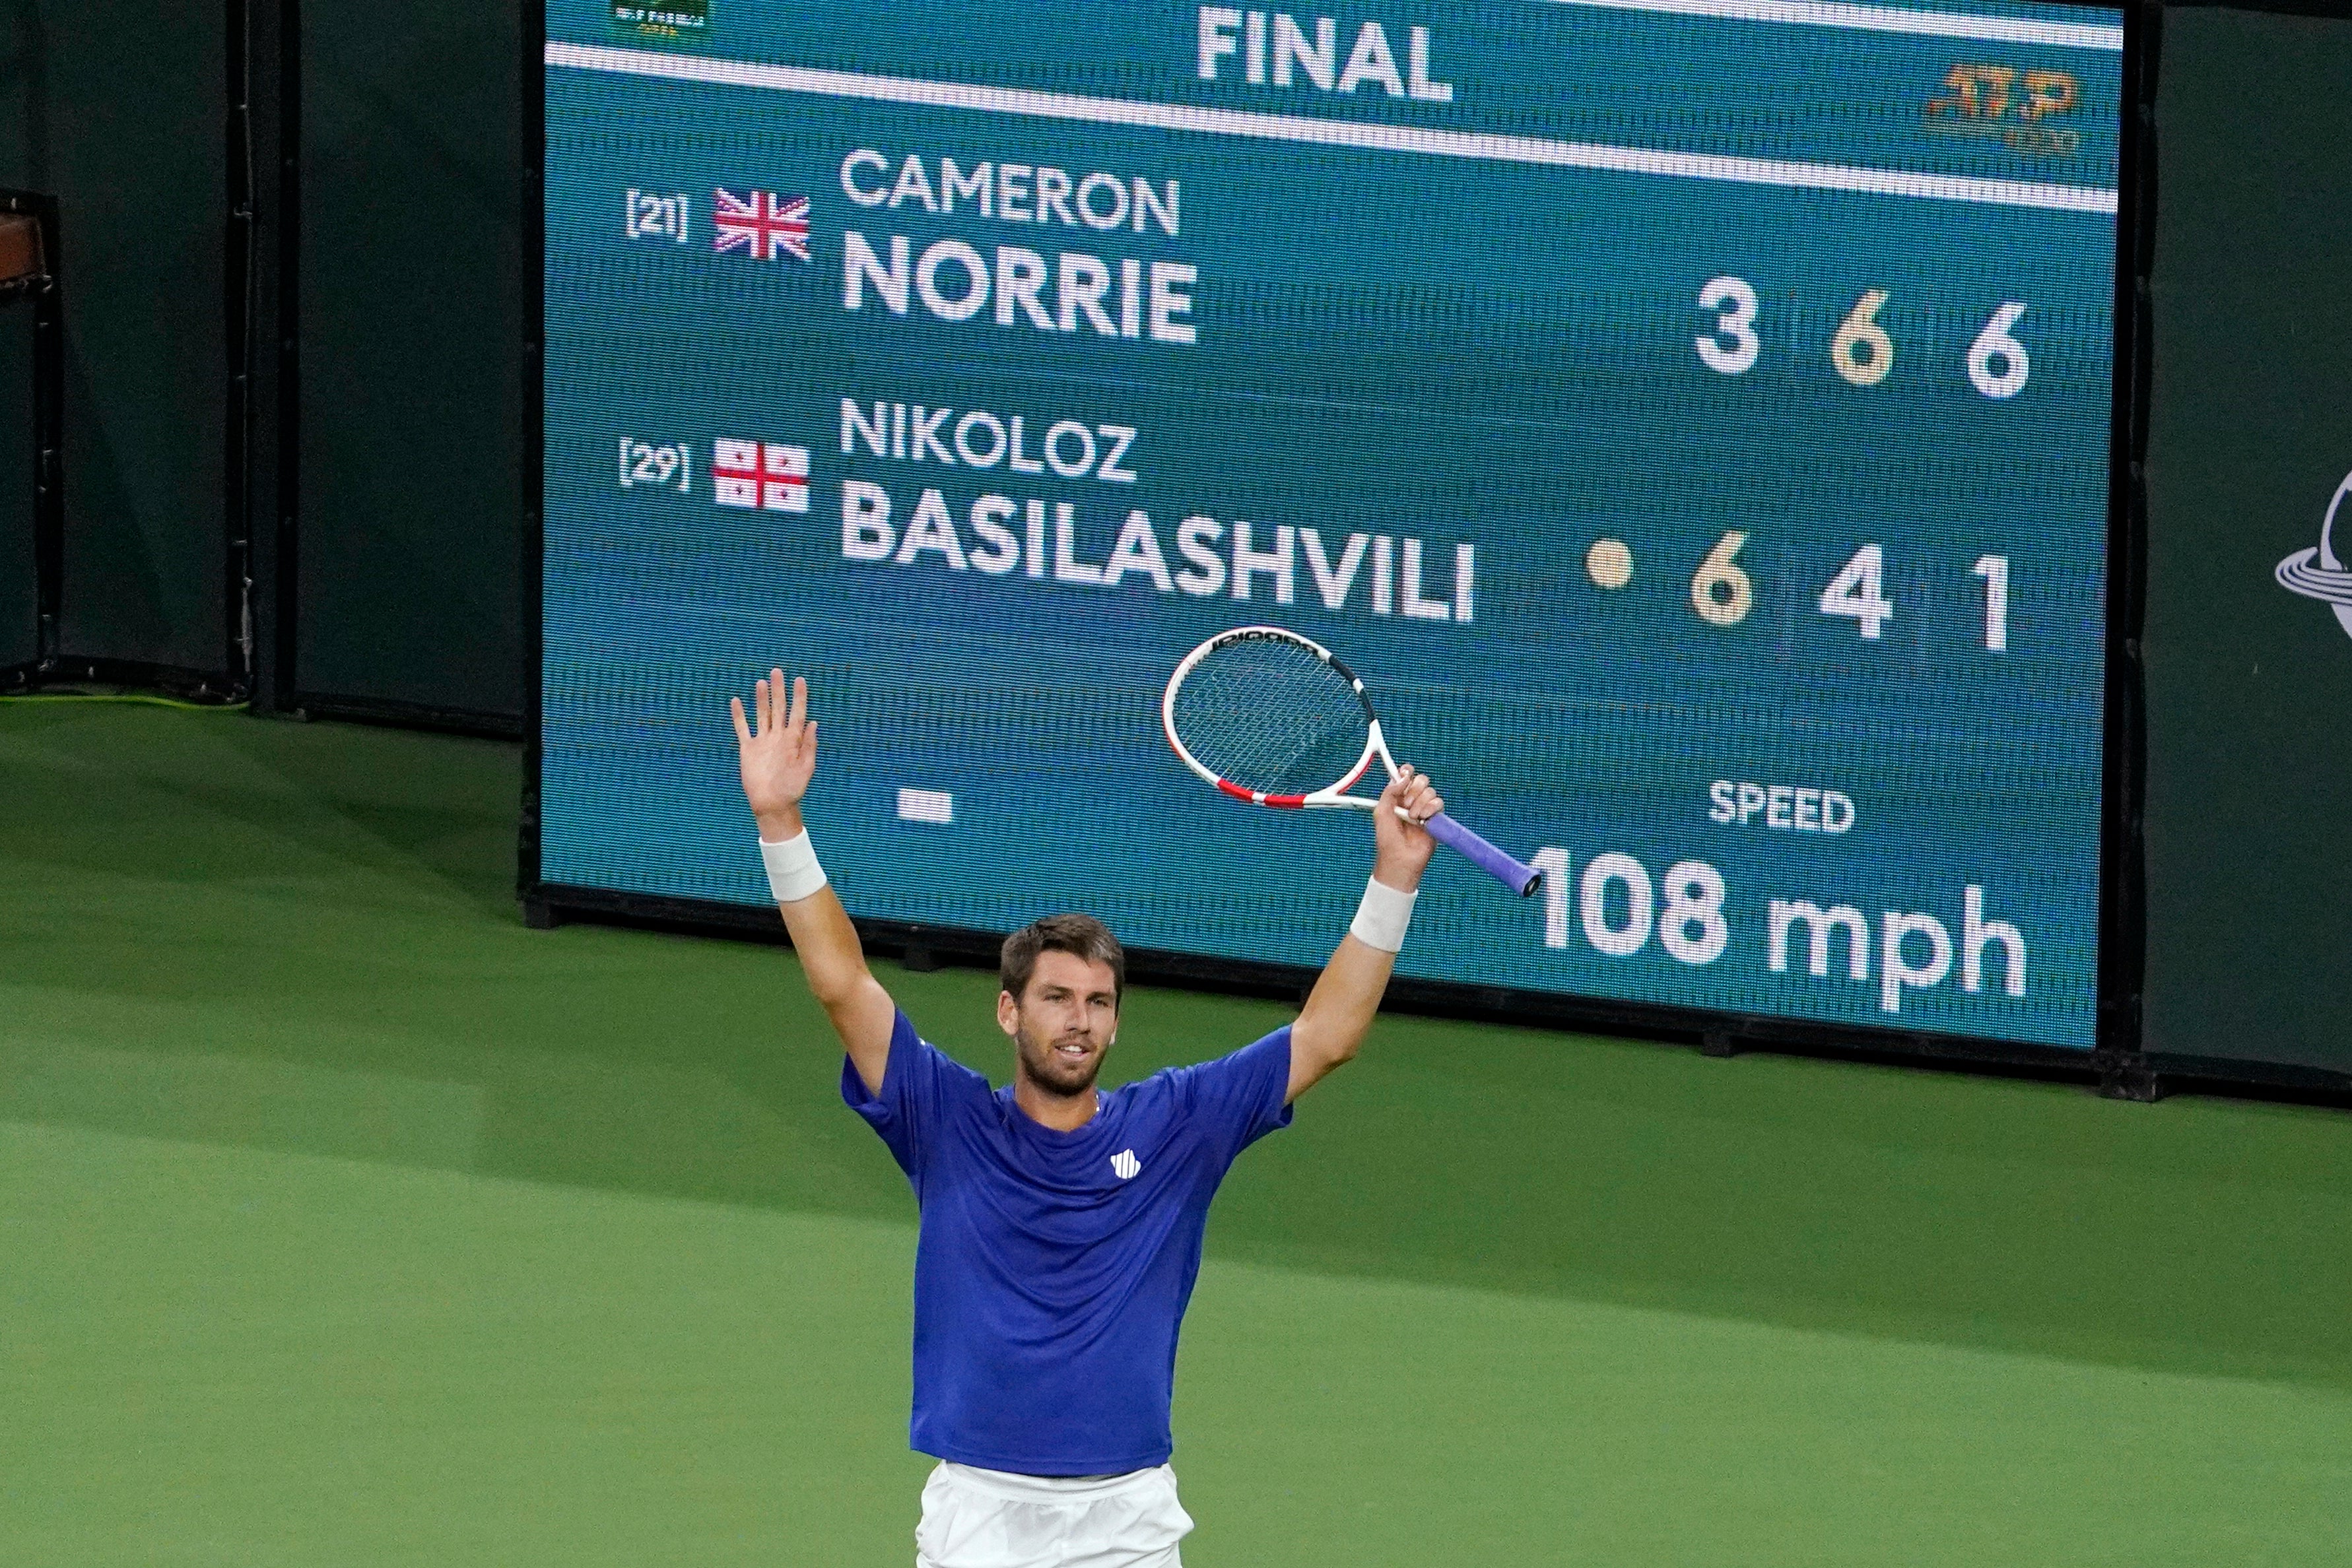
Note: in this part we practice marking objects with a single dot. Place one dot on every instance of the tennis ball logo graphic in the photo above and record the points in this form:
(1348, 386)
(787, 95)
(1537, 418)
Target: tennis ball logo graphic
(2321, 573)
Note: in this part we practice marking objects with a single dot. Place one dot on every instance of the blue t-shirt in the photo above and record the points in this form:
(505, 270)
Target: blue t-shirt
(1054, 1268)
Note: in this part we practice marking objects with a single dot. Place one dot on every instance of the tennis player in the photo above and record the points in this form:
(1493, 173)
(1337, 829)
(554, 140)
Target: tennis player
(1061, 1226)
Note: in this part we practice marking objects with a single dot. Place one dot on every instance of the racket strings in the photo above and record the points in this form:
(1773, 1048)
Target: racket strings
(1270, 716)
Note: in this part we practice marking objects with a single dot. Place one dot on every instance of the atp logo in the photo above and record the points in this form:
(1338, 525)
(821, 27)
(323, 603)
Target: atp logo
(2025, 110)
(2320, 573)
(1125, 1165)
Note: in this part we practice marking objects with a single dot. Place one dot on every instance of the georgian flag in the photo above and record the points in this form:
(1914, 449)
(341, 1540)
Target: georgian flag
(765, 476)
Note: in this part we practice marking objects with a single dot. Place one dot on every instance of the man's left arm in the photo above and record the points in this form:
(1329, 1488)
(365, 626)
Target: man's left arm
(1339, 1009)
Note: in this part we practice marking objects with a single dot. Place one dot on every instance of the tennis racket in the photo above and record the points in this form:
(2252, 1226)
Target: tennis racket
(1270, 717)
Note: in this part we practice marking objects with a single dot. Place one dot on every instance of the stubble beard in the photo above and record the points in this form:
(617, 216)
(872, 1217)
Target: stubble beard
(1053, 1073)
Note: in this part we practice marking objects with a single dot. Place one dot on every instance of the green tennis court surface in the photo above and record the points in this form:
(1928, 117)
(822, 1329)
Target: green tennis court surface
(344, 1221)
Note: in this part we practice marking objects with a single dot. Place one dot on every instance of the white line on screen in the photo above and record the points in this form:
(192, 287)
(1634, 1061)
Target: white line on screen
(926, 806)
(1469, 144)
(1882, 19)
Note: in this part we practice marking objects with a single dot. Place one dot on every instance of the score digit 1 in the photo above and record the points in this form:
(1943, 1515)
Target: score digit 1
(1994, 570)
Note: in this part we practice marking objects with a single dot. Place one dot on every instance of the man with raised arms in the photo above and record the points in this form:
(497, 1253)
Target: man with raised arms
(1061, 1225)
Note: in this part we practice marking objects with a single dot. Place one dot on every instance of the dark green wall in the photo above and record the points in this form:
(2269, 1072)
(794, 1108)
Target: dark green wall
(412, 300)
(117, 107)
(2249, 688)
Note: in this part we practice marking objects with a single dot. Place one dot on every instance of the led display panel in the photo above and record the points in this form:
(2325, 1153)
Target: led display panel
(1691, 418)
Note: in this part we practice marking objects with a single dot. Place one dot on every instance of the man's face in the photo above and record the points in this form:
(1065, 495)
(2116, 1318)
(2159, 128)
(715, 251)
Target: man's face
(1063, 1023)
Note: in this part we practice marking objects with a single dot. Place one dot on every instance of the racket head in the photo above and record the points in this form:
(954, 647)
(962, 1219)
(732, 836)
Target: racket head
(1272, 718)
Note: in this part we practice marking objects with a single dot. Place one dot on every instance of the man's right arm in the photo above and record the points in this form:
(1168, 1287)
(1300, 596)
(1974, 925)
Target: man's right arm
(778, 757)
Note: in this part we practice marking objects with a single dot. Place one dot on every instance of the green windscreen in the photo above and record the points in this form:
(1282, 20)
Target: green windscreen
(2250, 679)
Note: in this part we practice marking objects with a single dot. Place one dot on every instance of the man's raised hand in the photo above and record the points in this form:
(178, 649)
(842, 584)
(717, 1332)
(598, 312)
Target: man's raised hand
(778, 746)
(777, 753)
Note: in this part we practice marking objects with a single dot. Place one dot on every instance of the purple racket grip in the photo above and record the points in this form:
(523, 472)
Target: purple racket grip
(1517, 875)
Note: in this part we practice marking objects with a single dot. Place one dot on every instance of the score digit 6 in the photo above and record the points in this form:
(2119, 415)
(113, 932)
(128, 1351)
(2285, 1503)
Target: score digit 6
(1861, 352)
(1995, 343)
(1721, 590)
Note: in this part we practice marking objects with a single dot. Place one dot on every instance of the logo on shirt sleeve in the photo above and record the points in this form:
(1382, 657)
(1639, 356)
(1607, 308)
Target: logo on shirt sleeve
(1125, 1165)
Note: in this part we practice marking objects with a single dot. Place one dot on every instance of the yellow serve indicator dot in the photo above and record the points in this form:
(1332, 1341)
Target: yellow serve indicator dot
(1609, 563)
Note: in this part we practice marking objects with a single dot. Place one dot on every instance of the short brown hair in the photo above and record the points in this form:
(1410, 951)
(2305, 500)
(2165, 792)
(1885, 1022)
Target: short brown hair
(1080, 933)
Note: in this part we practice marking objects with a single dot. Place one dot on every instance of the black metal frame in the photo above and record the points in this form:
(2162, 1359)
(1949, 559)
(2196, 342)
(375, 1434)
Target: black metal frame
(241, 283)
(265, 520)
(2117, 1064)
(2118, 1058)
(538, 908)
(47, 302)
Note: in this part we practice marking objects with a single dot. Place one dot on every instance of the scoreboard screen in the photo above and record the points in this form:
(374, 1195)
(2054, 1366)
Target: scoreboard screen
(1691, 418)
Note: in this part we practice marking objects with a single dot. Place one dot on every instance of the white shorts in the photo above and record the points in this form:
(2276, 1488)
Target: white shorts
(988, 1519)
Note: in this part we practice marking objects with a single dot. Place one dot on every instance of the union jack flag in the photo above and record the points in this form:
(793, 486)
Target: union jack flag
(760, 224)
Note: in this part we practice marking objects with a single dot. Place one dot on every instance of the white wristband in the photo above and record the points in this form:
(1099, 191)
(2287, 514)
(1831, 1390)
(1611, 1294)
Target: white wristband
(793, 871)
(1382, 918)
